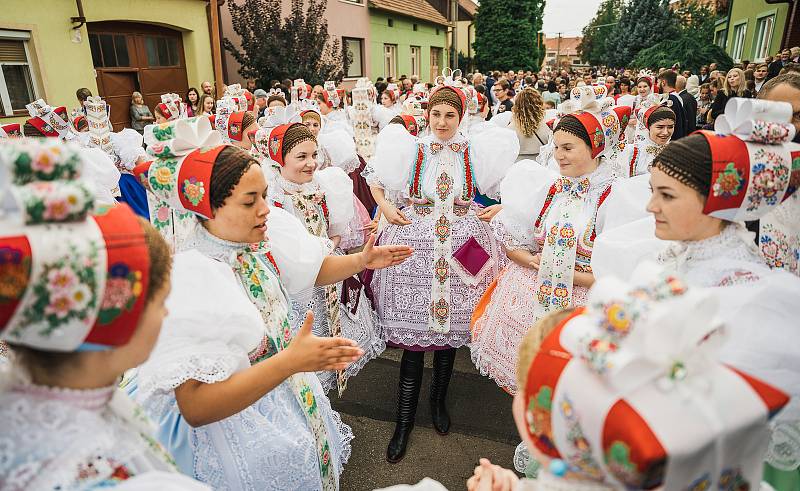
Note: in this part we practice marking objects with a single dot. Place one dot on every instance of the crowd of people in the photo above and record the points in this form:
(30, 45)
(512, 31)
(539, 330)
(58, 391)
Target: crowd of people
(618, 249)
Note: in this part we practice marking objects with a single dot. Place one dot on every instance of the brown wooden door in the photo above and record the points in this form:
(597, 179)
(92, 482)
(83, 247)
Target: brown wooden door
(436, 63)
(116, 88)
(129, 57)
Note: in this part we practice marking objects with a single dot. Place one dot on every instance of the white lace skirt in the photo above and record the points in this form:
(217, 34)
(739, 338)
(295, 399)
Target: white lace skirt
(355, 236)
(267, 446)
(509, 314)
(402, 294)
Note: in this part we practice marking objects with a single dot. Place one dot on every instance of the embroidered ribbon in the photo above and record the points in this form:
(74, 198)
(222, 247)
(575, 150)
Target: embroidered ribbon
(557, 264)
(261, 281)
(315, 218)
(40, 109)
(439, 319)
(235, 93)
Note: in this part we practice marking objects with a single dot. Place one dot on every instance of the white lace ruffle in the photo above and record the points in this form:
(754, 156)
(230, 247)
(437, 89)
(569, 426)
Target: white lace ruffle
(164, 376)
(784, 446)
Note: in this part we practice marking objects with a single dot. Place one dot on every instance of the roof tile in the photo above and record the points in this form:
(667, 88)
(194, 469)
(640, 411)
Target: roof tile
(418, 9)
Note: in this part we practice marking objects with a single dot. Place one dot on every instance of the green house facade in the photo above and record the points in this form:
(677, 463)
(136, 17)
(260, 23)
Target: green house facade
(753, 29)
(406, 38)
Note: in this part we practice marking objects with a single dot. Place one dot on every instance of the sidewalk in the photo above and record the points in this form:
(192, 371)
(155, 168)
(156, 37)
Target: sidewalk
(482, 426)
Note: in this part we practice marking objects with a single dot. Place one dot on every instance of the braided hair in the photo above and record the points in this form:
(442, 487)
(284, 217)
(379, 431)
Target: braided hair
(689, 161)
(572, 125)
(230, 166)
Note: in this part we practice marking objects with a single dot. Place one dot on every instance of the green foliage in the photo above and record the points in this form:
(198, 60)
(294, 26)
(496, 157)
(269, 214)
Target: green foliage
(692, 47)
(506, 34)
(297, 46)
(464, 62)
(593, 47)
(643, 24)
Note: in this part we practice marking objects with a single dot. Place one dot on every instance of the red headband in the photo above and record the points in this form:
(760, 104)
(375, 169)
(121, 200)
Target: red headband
(162, 108)
(594, 130)
(276, 142)
(410, 122)
(13, 129)
(235, 130)
(460, 93)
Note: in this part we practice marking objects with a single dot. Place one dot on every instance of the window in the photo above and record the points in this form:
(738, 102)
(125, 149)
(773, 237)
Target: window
(414, 27)
(739, 32)
(721, 37)
(416, 60)
(354, 47)
(391, 23)
(763, 37)
(390, 60)
(17, 87)
(162, 51)
(109, 50)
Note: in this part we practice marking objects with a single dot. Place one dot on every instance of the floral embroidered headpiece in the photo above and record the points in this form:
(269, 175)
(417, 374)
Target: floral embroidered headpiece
(170, 106)
(598, 115)
(238, 96)
(629, 391)
(48, 121)
(269, 139)
(184, 152)
(69, 280)
(755, 166)
(333, 97)
(300, 90)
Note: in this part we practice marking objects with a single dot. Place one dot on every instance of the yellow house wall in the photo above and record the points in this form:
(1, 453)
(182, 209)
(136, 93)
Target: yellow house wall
(61, 66)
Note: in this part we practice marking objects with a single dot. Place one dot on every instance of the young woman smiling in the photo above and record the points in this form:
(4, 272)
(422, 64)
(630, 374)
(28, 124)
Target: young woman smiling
(656, 125)
(547, 226)
(425, 305)
(226, 383)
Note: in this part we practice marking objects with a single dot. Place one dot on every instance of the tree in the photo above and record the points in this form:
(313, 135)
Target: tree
(643, 23)
(692, 47)
(273, 48)
(593, 47)
(506, 34)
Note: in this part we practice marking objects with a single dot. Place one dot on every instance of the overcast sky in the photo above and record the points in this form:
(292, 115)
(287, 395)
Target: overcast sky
(568, 16)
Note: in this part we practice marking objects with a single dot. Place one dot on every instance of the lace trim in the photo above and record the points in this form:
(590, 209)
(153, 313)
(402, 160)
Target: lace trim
(296, 188)
(212, 246)
(784, 446)
(88, 399)
(204, 368)
(509, 237)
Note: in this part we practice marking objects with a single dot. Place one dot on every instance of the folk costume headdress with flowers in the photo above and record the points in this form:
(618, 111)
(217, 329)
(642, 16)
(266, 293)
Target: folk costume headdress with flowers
(181, 176)
(754, 164)
(281, 131)
(638, 157)
(628, 392)
(171, 107)
(48, 121)
(229, 120)
(72, 278)
(12, 130)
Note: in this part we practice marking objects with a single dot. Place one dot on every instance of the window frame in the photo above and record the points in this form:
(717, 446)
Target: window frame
(360, 41)
(388, 49)
(5, 97)
(743, 26)
(769, 16)
(416, 61)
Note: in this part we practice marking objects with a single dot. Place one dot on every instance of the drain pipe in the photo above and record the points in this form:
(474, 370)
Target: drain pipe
(80, 19)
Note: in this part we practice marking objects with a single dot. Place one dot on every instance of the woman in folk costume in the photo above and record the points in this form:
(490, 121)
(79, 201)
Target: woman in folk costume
(83, 301)
(425, 305)
(226, 382)
(656, 123)
(628, 393)
(48, 121)
(547, 226)
(704, 187)
(335, 147)
(236, 127)
(322, 200)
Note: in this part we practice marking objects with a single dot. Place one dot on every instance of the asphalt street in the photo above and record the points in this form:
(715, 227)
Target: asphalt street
(482, 426)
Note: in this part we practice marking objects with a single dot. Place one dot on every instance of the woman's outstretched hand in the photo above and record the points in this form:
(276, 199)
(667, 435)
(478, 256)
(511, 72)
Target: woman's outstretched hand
(310, 353)
(378, 257)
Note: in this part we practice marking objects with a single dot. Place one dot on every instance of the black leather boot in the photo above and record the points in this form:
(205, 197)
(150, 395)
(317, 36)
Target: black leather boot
(442, 369)
(411, 367)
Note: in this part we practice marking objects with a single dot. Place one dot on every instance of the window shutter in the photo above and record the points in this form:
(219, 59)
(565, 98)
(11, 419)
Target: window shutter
(12, 51)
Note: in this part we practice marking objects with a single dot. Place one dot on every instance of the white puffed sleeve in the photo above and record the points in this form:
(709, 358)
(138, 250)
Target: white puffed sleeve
(128, 147)
(341, 149)
(493, 152)
(502, 120)
(524, 190)
(395, 154)
(338, 189)
(209, 330)
(298, 254)
(382, 115)
(626, 203)
(617, 250)
(101, 172)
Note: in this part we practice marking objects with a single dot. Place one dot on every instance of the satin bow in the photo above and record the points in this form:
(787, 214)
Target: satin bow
(756, 121)
(181, 137)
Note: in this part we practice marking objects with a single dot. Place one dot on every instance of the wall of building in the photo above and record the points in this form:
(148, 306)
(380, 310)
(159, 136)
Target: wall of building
(403, 35)
(749, 12)
(465, 30)
(61, 66)
(345, 19)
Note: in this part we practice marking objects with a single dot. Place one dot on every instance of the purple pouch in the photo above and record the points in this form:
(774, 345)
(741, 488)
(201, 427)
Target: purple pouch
(471, 261)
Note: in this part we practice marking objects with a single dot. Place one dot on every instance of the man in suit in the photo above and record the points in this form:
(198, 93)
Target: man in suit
(776, 66)
(666, 82)
(689, 104)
